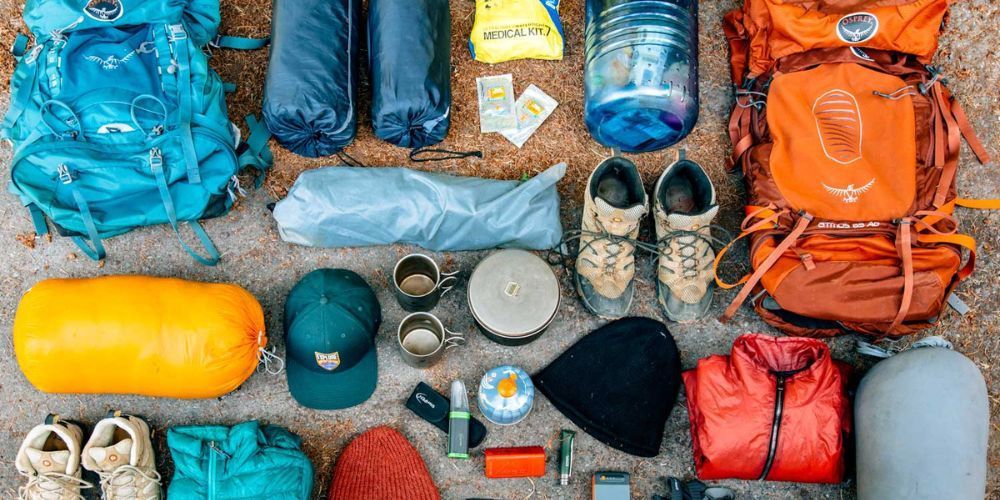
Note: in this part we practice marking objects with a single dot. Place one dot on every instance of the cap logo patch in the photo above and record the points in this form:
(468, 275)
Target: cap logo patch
(328, 362)
(857, 27)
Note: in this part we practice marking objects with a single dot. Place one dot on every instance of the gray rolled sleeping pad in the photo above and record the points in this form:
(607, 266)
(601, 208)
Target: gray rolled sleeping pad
(363, 206)
(922, 426)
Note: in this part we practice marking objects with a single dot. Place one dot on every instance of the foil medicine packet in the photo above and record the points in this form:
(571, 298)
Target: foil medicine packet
(496, 103)
(530, 110)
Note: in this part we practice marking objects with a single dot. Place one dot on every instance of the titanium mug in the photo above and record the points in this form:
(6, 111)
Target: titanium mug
(419, 283)
(422, 339)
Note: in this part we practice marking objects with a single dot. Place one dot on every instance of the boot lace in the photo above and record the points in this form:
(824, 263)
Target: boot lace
(561, 254)
(51, 485)
(120, 483)
(617, 245)
(689, 239)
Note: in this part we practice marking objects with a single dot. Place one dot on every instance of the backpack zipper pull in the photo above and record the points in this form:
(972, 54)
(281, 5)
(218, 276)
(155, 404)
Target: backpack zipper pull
(64, 174)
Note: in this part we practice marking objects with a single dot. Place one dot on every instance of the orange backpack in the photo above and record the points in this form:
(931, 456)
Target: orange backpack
(848, 141)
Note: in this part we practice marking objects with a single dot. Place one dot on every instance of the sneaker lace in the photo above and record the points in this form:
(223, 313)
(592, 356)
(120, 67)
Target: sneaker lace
(52, 485)
(119, 483)
(690, 239)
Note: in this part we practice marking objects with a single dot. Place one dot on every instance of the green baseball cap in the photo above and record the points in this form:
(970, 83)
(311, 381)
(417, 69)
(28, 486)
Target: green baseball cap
(331, 319)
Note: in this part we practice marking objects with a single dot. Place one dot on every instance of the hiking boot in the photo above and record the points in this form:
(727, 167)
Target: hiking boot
(50, 458)
(614, 205)
(120, 451)
(684, 207)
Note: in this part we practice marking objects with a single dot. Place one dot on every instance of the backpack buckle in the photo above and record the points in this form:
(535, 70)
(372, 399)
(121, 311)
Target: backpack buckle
(155, 159)
(176, 32)
(64, 174)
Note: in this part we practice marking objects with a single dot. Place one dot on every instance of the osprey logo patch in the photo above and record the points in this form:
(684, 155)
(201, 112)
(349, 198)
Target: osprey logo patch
(104, 10)
(850, 193)
(857, 27)
(328, 362)
(111, 62)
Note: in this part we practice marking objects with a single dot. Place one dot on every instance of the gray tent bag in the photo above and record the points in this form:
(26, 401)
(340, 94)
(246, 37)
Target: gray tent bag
(922, 425)
(354, 207)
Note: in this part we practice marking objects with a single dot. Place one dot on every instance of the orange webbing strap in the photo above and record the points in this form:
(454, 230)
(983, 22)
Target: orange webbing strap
(927, 233)
(768, 217)
(962, 240)
(954, 141)
(776, 254)
(993, 204)
(967, 131)
(938, 154)
(740, 147)
(904, 246)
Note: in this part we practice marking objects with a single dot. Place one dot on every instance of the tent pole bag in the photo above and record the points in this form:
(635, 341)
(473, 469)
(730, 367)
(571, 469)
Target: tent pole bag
(409, 56)
(311, 83)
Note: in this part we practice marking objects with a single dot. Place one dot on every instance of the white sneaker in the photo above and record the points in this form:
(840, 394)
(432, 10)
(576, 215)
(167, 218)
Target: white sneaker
(120, 451)
(50, 458)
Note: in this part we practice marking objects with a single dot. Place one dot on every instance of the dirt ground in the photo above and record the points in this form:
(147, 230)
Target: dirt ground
(257, 259)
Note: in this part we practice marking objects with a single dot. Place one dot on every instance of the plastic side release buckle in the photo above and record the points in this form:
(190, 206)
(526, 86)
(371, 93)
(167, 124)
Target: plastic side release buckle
(176, 32)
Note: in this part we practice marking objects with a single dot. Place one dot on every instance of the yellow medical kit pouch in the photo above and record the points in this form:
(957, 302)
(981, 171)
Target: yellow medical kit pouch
(138, 335)
(506, 30)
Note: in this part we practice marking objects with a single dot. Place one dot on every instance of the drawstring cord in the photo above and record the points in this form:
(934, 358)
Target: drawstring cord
(750, 102)
(271, 363)
(349, 160)
(438, 154)
(906, 91)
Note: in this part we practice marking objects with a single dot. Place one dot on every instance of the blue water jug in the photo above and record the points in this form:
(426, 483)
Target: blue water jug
(641, 72)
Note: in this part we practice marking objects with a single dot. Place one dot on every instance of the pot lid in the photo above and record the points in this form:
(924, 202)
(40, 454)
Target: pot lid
(513, 293)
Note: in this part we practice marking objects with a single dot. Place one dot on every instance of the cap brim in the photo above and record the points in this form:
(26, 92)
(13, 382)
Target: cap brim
(335, 390)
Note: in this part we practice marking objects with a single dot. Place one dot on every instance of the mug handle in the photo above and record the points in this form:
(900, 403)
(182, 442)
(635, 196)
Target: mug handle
(448, 282)
(453, 339)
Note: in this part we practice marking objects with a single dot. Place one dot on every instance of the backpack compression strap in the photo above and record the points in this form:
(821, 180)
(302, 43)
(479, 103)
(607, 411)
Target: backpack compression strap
(799, 228)
(156, 165)
(238, 42)
(254, 152)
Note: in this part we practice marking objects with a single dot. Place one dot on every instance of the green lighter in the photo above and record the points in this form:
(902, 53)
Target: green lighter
(566, 456)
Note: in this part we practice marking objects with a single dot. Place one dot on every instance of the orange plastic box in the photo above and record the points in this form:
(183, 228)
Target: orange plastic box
(525, 461)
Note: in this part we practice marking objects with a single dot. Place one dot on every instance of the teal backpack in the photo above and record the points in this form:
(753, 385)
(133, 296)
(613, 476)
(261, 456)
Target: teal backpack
(117, 121)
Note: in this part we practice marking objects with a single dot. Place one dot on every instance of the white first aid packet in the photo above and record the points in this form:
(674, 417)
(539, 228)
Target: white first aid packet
(530, 110)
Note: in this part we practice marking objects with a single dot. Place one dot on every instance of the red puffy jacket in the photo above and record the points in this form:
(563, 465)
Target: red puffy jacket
(775, 409)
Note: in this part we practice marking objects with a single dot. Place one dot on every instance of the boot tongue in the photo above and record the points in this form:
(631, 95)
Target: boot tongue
(614, 217)
(691, 222)
(47, 461)
(111, 457)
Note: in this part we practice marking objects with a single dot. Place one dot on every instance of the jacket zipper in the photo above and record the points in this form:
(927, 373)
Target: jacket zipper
(215, 453)
(779, 406)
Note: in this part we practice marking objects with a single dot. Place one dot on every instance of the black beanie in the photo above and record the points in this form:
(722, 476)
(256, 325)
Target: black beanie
(618, 384)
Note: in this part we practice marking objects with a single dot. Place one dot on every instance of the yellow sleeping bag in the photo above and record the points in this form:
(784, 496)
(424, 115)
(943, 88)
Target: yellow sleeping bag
(138, 335)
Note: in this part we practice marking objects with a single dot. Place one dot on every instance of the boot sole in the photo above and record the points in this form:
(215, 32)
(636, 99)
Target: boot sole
(583, 299)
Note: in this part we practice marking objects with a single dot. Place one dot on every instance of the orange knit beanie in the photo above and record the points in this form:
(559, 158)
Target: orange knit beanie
(381, 464)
